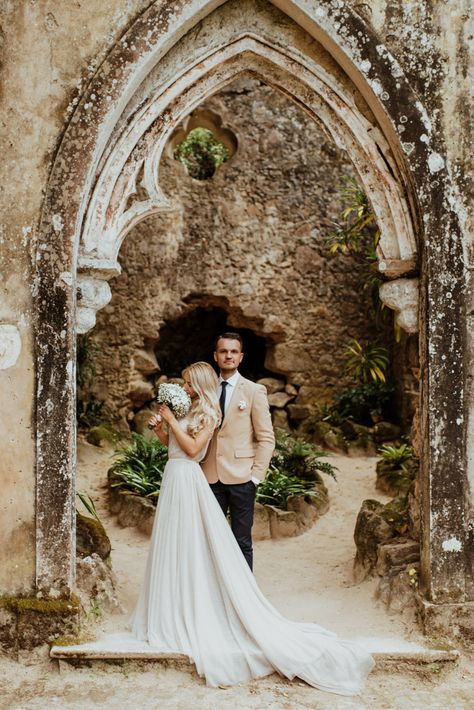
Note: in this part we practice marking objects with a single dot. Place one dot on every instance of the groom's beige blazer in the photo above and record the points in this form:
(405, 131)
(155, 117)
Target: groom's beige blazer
(243, 446)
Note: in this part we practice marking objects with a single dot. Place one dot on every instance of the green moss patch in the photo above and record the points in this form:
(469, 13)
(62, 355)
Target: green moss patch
(22, 605)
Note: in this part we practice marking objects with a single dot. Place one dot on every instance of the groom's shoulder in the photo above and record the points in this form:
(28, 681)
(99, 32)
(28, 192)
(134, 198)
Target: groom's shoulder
(253, 385)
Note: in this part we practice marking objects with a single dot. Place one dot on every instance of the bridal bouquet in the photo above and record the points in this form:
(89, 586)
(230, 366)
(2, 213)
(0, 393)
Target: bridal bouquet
(175, 397)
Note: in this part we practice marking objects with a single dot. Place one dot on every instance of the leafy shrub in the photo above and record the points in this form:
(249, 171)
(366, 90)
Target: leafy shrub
(88, 504)
(364, 404)
(278, 487)
(295, 469)
(357, 229)
(395, 456)
(356, 233)
(139, 467)
(396, 469)
(299, 458)
(201, 153)
(367, 362)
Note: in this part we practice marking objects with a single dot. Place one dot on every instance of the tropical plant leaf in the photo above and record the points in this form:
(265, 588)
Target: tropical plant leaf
(88, 504)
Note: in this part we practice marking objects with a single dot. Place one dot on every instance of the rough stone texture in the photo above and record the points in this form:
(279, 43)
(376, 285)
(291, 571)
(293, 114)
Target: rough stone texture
(282, 185)
(403, 296)
(279, 399)
(398, 589)
(370, 530)
(136, 511)
(91, 537)
(26, 623)
(396, 553)
(261, 523)
(385, 431)
(448, 622)
(96, 583)
(274, 385)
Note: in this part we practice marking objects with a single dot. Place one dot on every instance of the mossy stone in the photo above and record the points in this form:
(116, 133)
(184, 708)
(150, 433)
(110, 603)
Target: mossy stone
(91, 537)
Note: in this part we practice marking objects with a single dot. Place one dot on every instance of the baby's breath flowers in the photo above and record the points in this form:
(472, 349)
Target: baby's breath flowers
(175, 397)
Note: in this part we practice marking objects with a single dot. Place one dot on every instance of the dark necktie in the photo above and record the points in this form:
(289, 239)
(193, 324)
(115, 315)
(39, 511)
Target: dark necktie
(222, 399)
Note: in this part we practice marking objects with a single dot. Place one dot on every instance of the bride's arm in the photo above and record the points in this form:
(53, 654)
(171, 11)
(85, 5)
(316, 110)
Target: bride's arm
(157, 424)
(191, 445)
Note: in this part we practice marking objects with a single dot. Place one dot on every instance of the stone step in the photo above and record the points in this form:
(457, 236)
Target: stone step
(389, 653)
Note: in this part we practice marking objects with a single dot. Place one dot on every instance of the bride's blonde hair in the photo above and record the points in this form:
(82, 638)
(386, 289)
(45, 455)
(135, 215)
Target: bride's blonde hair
(205, 410)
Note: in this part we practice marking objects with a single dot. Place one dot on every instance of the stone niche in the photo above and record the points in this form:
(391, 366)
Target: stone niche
(245, 249)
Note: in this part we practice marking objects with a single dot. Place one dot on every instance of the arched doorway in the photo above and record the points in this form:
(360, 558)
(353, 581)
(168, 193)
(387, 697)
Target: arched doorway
(333, 66)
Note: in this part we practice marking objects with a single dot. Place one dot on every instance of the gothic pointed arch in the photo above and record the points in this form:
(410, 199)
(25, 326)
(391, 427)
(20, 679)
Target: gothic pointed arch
(335, 67)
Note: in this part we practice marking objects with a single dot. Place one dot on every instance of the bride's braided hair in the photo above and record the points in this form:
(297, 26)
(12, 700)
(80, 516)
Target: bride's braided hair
(205, 410)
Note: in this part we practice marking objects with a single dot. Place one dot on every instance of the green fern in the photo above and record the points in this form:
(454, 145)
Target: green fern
(139, 467)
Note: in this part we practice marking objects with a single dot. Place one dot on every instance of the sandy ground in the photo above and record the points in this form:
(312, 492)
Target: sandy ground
(306, 578)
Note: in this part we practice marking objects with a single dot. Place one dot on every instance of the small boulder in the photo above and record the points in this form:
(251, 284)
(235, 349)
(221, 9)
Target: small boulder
(291, 389)
(135, 511)
(398, 590)
(91, 537)
(283, 523)
(371, 529)
(413, 513)
(261, 523)
(145, 362)
(348, 429)
(96, 584)
(397, 552)
(279, 399)
(334, 440)
(102, 433)
(272, 384)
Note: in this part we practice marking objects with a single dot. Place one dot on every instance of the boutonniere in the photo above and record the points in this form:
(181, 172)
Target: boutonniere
(242, 404)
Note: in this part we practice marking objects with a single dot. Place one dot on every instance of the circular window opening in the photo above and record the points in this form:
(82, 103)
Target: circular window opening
(201, 153)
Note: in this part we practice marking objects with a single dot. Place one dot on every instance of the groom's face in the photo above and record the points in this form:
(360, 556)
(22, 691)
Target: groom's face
(228, 355)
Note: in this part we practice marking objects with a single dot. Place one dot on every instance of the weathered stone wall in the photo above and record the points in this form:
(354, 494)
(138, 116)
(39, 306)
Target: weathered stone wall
(251, 240)
(38, 92)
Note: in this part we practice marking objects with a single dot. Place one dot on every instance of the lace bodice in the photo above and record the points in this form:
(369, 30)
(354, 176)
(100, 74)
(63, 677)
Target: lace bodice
(174, 449)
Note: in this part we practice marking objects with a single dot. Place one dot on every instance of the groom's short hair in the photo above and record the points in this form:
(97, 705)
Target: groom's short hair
(230, 336)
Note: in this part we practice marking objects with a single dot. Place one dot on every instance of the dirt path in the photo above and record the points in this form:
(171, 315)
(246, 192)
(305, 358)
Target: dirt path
(308, 578)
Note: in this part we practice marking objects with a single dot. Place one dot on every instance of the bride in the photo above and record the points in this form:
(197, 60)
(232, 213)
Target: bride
(199, 596)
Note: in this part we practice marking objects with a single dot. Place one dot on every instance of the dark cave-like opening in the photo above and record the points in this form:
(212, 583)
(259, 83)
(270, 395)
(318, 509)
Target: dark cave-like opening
(191, 337)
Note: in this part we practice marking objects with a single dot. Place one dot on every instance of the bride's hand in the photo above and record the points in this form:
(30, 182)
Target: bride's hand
(166, 413)
(155, 422)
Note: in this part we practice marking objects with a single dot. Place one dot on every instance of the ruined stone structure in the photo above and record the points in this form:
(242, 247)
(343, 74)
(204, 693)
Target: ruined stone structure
(245, 249)
(86, 119)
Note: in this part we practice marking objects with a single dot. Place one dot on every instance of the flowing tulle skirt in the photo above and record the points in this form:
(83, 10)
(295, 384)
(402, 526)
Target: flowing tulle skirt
(200, 598)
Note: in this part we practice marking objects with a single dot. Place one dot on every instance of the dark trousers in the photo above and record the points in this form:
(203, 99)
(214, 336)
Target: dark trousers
(238, 500)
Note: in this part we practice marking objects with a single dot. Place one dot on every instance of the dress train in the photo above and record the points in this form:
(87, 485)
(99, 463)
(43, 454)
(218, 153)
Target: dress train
(200, 598)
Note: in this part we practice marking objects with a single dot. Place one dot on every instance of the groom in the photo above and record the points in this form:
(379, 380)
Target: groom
(240, 451)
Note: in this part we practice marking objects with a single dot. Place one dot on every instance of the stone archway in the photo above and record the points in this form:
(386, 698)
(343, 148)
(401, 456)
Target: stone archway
(335, 68)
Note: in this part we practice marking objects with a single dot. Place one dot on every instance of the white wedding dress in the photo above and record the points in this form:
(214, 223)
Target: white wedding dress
(200, 598)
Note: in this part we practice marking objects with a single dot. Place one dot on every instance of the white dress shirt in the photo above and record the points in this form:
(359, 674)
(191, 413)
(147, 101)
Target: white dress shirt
(229, 391)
